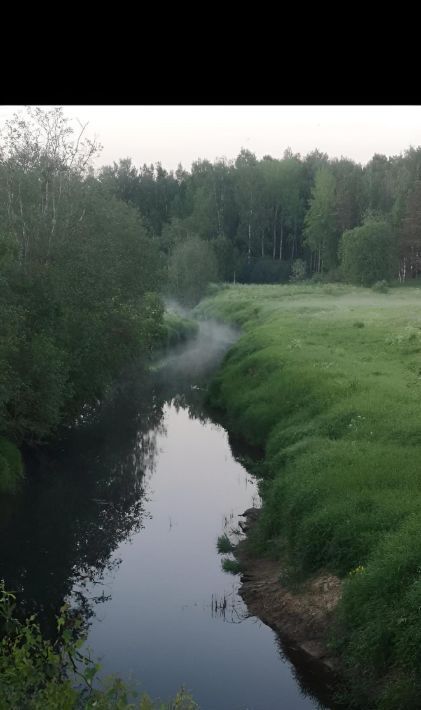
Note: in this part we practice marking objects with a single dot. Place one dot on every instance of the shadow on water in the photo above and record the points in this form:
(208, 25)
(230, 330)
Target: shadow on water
(82, 497)
(87, 494)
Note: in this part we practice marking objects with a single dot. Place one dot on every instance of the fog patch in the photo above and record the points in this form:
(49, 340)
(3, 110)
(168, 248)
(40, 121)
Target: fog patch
(203, 353)
(173, 306)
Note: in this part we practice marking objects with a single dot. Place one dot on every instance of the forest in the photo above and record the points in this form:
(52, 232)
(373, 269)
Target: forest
(271, 220)
(86, 257)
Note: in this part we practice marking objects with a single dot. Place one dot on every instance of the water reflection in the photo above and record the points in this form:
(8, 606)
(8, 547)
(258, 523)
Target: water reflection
(135, 482)
(82, 498)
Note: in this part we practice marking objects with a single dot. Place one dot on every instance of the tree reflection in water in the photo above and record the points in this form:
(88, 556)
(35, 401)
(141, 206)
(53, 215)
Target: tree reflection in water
(85, 494)
(82, 498)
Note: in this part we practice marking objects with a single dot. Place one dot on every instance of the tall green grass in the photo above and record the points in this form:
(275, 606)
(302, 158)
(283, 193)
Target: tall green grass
(328, 380)
(176, 329)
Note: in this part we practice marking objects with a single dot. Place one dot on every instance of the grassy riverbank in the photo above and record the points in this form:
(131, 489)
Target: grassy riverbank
(176, 329)
(327, 378)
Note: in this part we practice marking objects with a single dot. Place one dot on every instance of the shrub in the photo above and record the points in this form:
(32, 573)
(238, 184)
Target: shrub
(263, 270)
(380, 287)
(298, 271)
(192, 266)
(317, 278)
(368, 253)
(38, 673)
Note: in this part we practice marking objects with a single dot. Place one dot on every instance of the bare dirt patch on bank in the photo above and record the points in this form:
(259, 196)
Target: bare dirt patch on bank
(301, 618)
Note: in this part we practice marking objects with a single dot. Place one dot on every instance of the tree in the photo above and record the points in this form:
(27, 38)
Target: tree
(410, 234)
(320, 221)
(192, 267)
(122, 179)
(248, 189)
(350, 195)
(225, 258)
(379, 183)
(368, 253)
(40, 164)
(77, 268)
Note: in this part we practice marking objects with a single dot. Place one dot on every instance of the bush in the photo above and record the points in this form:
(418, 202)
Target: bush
(263, 270)
(176, 329)
(298, 271)
(192, 266)
(368, 253)
(380, 287)
(317, 278)
(39, 674)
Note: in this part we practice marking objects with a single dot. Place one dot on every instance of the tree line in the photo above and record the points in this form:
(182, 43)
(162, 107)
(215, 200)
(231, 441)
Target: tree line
(85, 256)
(270, 220)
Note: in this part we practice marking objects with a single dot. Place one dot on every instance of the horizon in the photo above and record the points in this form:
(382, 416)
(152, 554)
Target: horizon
(172, 135)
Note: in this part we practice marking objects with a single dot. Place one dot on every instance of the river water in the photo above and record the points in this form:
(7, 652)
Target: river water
(121, 518)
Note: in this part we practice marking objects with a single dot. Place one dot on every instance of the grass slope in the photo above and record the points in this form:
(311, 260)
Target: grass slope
(328, 379)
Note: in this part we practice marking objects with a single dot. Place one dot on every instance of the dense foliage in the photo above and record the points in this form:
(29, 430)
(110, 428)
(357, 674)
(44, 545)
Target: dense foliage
(368, 253)
(78, 279)
(83, 257)
(192, 266)
(260, 216)
(40, 674)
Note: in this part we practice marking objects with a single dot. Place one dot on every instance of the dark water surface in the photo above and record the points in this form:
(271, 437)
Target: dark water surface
(122, 517)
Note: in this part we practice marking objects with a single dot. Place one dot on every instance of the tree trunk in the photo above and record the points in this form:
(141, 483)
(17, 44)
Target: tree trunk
(24, 250)
(222, 213)
(294, 239)
(281, 242)
(274, 233)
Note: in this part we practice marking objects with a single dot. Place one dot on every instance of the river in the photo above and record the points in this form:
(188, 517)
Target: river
(121, 518)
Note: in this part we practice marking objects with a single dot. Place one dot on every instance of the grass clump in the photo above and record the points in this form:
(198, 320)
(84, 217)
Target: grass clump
(177, 329)
(328, 382)
(224, 544)
(231, 566)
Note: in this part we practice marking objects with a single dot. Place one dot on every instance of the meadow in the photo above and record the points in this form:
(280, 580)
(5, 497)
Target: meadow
(326, 378)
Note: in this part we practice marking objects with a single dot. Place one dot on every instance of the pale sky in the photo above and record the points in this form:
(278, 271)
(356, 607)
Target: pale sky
(182, 134)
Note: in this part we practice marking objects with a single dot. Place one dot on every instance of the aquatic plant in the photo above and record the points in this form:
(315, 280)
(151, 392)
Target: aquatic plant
(224, 544)
(232, 566)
